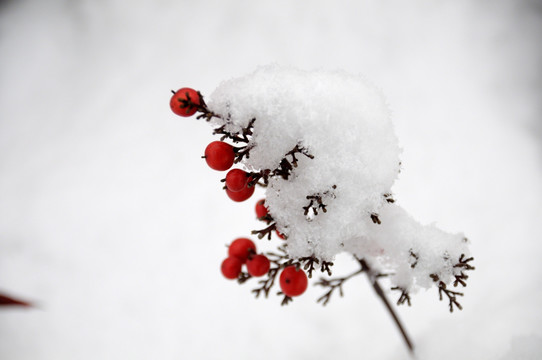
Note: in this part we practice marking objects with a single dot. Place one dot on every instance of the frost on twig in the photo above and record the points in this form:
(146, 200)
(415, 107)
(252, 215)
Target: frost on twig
(316, 202)
(286, 165)
(242, 136)
(413, 259)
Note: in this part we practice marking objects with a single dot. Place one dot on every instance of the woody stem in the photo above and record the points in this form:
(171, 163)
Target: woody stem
(378, 289)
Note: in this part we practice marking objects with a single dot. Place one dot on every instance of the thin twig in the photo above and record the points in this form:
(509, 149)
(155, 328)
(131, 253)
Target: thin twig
(373, 279)
(333, 284)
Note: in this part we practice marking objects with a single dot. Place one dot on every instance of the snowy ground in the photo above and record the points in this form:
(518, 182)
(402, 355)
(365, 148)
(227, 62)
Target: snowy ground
(112, 224)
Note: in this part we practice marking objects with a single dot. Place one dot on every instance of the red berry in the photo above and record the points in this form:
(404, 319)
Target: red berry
(219, 155)
(258, 265)
(280, 235)
(241, 248)
(261, 210)
(231, 267)
(185, 102)
(236, 180)
(293, 282)
(241, 195)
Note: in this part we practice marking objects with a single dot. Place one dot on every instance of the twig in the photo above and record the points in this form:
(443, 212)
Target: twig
(267, 283)
(310, 261)
(333, 284)
(389, 198)
(464, 265)
(375, 219)
(452, 295)
(378, 289)
(264, 232)
(404, 297)
(285, 300)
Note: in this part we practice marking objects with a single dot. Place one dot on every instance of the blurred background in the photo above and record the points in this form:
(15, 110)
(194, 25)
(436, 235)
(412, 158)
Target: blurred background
(115, 228)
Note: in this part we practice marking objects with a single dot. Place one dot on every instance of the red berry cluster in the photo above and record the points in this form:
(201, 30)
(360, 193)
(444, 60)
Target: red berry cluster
(219, 155)
(243, 251)
(239, 186)
(293, 280)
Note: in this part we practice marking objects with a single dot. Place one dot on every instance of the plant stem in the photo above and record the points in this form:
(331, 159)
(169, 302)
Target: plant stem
(378, 289)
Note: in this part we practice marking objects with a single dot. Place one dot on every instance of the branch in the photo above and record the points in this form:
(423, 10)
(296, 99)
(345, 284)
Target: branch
(451, 296)
(378, 289)
(333, 284)
(267, 283)
(279, 260)
(202, 108)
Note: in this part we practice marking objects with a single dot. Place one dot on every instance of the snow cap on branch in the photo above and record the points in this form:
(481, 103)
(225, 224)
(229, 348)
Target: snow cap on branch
(335, 132)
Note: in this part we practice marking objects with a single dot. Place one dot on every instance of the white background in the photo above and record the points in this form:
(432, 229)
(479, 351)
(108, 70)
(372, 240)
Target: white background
(115, 228)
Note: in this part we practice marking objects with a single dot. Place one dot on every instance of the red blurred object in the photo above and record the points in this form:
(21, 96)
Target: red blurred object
(9, 301)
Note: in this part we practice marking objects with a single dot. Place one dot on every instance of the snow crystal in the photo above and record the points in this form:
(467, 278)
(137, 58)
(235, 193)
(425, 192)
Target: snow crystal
(349, 160)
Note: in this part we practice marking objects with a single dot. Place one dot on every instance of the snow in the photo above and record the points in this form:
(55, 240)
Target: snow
(342, 121)
(111, 222)
(524, 348)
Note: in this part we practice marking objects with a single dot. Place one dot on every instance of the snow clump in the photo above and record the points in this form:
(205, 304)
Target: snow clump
(343, 124)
